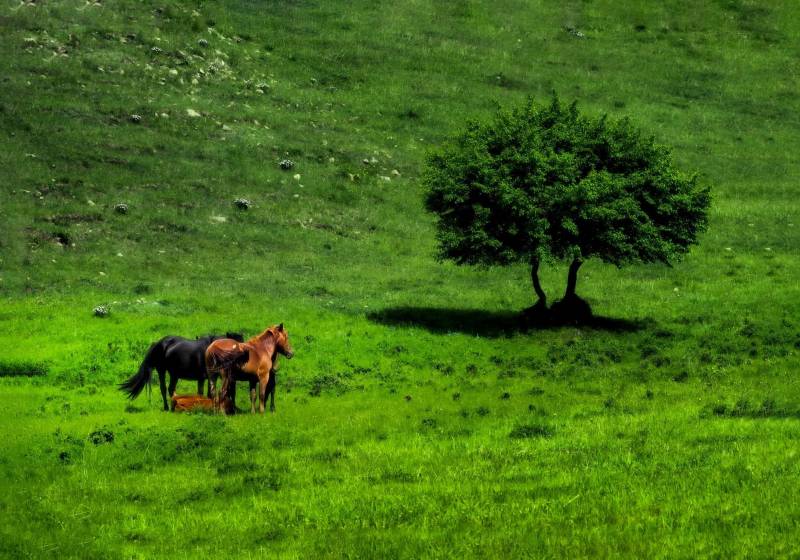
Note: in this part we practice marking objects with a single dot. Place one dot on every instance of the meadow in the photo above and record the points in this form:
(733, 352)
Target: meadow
(419, 418)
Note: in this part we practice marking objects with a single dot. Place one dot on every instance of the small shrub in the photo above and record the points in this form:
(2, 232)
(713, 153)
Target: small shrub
(682, 377)
(101, 436)
(101, 311)
(429, 423)
(326, 383)
(530, 431)
(22, 369)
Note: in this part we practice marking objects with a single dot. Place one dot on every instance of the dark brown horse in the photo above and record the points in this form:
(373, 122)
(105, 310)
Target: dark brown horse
(253, 360)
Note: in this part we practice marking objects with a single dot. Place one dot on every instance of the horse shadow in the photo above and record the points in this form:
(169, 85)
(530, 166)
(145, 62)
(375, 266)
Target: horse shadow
(492, 324)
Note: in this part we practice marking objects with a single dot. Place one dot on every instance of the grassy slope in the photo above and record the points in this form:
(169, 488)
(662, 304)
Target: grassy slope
(673, 438)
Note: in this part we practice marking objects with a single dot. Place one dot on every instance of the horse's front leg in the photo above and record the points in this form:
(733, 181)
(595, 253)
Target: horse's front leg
(263, 379)
(271, 390)
(200, 386)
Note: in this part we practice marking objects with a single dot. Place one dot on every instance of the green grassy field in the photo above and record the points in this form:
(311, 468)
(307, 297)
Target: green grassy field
(417, 418)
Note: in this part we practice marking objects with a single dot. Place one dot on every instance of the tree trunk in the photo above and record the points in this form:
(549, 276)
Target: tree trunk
(537, 287)
(572, 278)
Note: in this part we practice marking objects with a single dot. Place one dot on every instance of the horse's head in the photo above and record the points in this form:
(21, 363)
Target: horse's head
(282, 341)
(235, 336)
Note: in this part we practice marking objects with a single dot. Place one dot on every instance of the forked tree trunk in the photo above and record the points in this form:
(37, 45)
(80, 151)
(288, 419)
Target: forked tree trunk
(572, 278)
(537, 287)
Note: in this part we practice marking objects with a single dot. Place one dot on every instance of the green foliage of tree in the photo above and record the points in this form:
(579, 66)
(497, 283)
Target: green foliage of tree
(548, 183)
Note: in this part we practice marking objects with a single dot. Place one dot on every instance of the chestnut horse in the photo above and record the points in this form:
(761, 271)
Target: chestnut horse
(252, 360)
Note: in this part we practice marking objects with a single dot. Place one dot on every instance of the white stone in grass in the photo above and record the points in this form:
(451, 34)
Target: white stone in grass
(192, 113)
(768, 249)
(729, 248)
(219, 219)
(395, 172)
(173, 72)
(296, 177)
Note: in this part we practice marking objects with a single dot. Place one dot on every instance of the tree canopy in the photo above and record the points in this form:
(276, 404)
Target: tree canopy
(546, 182)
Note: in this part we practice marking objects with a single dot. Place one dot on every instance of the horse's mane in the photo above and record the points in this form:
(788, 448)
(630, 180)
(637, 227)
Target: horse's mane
(259, 337)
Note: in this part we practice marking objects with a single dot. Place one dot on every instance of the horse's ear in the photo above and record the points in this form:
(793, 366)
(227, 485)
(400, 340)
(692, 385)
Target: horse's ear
(280, 327)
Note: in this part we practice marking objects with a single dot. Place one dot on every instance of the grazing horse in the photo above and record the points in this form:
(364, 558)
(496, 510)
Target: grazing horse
(253, 360)
(182, 358)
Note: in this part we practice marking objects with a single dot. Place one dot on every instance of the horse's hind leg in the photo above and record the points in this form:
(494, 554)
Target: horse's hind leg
(253, 396)
(162, 382)
(173, 383)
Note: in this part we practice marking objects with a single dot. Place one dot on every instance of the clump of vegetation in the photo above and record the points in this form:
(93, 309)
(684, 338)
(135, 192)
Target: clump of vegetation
(528, 431)
(546, 183)
(22, 369)
(101, 436)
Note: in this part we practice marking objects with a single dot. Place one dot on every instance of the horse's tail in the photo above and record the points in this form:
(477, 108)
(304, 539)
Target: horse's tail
(218, 359)
(136, 383)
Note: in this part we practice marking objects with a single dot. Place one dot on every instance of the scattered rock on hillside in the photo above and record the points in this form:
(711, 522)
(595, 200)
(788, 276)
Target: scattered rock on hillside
(575, 32)
(121, 208)
(136, 119)
(286, 164)
(242, 204)
(219, 219)
(192, 113)
(202, 43)
(395, 173)
(101, 311)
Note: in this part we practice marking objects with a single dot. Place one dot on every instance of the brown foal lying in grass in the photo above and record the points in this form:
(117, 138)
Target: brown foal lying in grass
(192, 403)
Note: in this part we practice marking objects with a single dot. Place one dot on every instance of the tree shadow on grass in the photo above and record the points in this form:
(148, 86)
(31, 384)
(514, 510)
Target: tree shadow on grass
(481, 322)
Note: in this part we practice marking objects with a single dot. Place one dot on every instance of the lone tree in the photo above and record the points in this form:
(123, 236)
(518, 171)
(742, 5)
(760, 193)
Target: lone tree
(545, 183)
